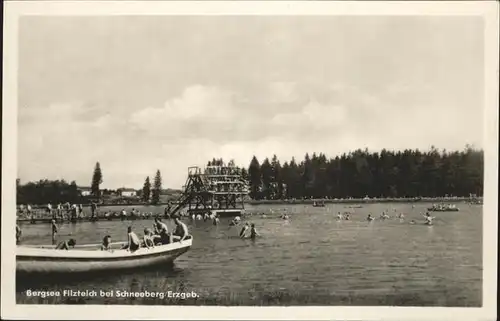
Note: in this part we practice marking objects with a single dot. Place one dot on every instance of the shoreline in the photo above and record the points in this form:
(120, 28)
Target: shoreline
(368, 201)
(326, 201)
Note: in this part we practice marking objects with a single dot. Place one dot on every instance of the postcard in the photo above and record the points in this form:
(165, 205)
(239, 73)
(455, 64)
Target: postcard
(250, 160)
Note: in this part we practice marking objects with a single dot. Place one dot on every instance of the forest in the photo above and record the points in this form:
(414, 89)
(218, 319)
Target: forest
(360, 173)
(357, 174)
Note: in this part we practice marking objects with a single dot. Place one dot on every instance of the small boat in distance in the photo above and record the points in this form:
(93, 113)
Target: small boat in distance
(319, 204)
(31, 259)
(443, 208)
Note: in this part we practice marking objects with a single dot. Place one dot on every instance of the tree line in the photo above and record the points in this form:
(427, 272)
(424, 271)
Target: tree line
(45, 191)
(360, 173)
(59, 191)
(151, 194)
(357, 174)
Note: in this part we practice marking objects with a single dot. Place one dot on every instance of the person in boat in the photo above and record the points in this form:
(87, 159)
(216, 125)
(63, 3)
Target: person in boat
(106, 243)
(161, 229)
(18, 234)
(133, 242)
(181, 230)
(253, 232)
(54, 230)
(148, 239)
(370, 218)
(65, 245)
(244, 229)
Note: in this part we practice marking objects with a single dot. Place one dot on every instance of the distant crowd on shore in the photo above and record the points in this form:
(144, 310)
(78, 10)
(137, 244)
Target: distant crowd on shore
(59, 212)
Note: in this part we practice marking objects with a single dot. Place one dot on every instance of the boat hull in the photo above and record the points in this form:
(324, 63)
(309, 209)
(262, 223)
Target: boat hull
(443, 210)
(50, 261)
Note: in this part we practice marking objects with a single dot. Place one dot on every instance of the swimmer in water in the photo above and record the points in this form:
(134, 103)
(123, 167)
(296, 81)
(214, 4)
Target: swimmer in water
(339, 216)
(244, 229)
(384, 216)
(253, 232)
(347, 217)
(370, 218)
(428, 219)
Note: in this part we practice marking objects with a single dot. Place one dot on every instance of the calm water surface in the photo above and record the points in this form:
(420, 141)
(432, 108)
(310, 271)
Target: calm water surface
(313, 259)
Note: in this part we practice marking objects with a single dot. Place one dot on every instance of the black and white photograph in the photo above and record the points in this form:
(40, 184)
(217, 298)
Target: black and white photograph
(253, 157)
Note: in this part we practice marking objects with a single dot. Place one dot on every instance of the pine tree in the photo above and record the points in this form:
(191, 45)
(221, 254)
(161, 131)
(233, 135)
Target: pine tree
(266, 174)
(96, 181)
(146, 190)
(255, 179)
(276, 178)
(156, 188)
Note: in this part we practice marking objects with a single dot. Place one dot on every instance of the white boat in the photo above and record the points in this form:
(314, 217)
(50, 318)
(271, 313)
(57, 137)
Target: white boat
(89, 258)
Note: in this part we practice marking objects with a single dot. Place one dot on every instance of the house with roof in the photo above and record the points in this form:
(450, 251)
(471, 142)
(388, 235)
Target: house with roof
(127, 192)
(84, 190)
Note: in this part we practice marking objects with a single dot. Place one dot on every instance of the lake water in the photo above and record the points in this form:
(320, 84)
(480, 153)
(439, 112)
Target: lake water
(313, 259)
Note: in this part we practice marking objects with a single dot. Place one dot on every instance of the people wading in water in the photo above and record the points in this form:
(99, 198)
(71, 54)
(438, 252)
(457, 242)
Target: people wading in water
(54, 231)
(18, 234)
(253, 232)
(93, 208)
(244, 229)
(428, 218)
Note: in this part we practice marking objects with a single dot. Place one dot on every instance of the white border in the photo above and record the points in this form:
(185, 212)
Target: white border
(12, 10)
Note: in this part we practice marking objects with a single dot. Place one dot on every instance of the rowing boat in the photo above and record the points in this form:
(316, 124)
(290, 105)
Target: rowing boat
(445, 209)
(89, 258)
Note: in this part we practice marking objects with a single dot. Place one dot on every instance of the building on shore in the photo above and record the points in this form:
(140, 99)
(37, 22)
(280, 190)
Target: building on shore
(84, 190)
(127, 192)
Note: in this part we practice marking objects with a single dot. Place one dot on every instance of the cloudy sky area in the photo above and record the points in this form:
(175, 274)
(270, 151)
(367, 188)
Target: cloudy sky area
(144, 93)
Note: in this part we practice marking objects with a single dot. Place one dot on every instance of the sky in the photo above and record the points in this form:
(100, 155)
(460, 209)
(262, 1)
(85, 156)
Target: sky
(141, 93)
